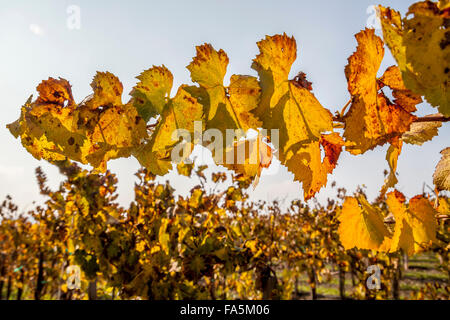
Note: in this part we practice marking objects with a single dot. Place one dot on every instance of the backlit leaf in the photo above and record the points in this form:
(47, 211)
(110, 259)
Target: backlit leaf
(361, 225)
(391, 158)
(419, 216)
(441, 176)
(372, 119)
(151, 93)
(421, 132)
(419, 42)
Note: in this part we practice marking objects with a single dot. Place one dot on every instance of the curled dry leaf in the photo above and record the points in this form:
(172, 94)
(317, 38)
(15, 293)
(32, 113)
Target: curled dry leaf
(441, 176)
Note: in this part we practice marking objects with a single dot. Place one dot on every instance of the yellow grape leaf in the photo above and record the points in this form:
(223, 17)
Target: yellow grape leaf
(405, 98)
(273, 64)
(428, 52)
(363, 64)
(421, 132)
(163, 235)
(372, 119)
(419, 215)
(391, 24)
(152, 92)
(225, 108)
(249, 157)
(54, 128)
(286, 105)
(441, 175)
(107, 91)
(185, 168)
(46, 125)
(34, 140)
(112, 129)
(245, 93)
(300, 119)
(196, 198)
(308, 166)
(208, 69)
(420, 45)
(391, 157)
(396, 203)
(222, 112)
(361, 225)
(402, 239)
(305, 119)
(423, 221)
(112, 133)
(180, 113)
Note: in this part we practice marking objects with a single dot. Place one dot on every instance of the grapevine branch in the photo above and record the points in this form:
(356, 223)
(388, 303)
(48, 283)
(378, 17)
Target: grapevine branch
(427, 118)
(433, 118)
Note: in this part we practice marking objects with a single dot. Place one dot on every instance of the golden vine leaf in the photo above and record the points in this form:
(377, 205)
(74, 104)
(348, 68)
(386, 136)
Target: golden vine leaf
(112, 133)
(164, 236)
(421, 132)
(107, 91)
(47, 126)
(293, 111)
(361, 225)
(392, 157)
(403, 97)
(419, 43)
(372, 119)
(273, 64)
(225, 108)
(309, 168)
(55, 128)
(441, 176)
(185, 168)
(152, 92)
(249, 157)
(419, 215)
(244, 94)
(208, 69)
(181, 113)
(112, 129)
(402, 239)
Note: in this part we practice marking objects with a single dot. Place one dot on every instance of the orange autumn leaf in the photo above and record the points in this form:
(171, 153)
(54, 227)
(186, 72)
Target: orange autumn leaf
(404, 97)
(372, 119)
(249, 157)
(310, 169)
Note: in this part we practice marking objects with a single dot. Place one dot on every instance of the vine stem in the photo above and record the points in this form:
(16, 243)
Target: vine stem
(433, 118)
(341, 114)
(427, 118)
(438, 217)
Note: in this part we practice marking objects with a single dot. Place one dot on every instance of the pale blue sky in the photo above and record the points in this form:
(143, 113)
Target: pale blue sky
(126, 37)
